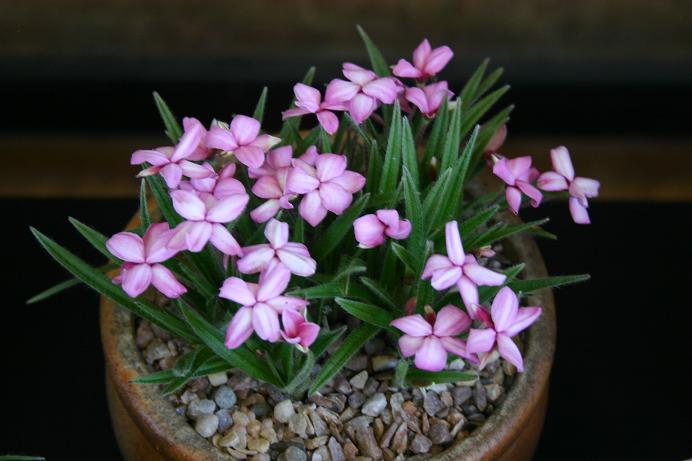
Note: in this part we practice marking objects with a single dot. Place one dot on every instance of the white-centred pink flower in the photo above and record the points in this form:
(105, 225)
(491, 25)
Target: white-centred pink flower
(271, 184)
(309, 101)
(429, 98)
(459, 269)
(363, 91)
(172, 163)
(371, 229)
(242, 138)
(142, 258)
(563, 178)
(427, 62)
(297, 330)
(506, 320)
(295, 256)
(518, 174)
(325, 183)
(205, 219)
(430, 341)
(261, 305)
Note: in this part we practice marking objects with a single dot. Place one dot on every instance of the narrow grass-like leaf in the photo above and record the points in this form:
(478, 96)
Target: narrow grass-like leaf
(439, 128)
(366, 312)
(173, 129)
(452, 143)
(471, 224)
(418, 377)
(102, 284)
(240, 358)
(487, 83)
(406, 257)
(379, 291)
(163, 200)
(487, 131)
(468, 93)
(494, 234)
(379, 64)
(94, 237)
(302, 376)
(144, 217)
(338, 229)
(452, 197)
(214, 365)
(289, 128)
(21, 458)
(527, 286)
(359, 130)
(473, 115)
(408, 151)
(431, 203)
(392, 156)
(414, 213)
(258, 114)
(350, 346)
(322, 291)
(325, 339)
(62, 286)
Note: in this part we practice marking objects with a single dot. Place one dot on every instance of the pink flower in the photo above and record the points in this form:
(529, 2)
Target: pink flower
(371, 229)
(459, 269)
(295, 256)
(429, 98)
(242, 139)
(518, 174)
(271, 184)
(326, 184)
(297, 330)
(220, 185)
(426, 61)
(507, 321)
(362, 92)
(563, 179)
(142, 257)
(261, 305)
(205, 218)
(430, 341)
(309, 101)
(175, 162)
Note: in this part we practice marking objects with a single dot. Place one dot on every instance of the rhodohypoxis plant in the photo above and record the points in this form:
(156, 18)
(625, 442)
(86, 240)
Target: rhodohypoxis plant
(267, 251)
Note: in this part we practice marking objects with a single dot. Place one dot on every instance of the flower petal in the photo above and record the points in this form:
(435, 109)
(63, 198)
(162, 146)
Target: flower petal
(421, 53)
(350, 181)
(188, 205)
(172, 174)
(552, 182)
(409, 345)
(451, 321)
(328, 120)
(156, 240)
(267, 187)
(469, 293)
(579, 212)
(127, 246)
(282, 304)
(513, 196)
(504, 309)
(339, 91)
(266, 211)
(136, 279)
(151, 156)
(438, 59)
(361, 107)
(298, 264)
(480, 340)
(276, 233)
(405, 69)
(417, 97)
(291, 320)
(509, 351)
(455, 250)
(307, 97)
(311, 208)
(228, 186)
(245, 129)
(273, 282)
(483, 276)
(455, 346)
(238, 291)
(220, 138)
(435, 263)
(586, 186)
(164, 281)
(240, 328)
(301, 181)
(223, 241)
(265, 322)
(369, 231)
(250, 156)
(524, 318)
(413, 325)
(227, 209)
(329, 166)
(294, 112)
(562, 163)
(531, 192)
(194, 170)
(255, 258)
(308, 333)
(431, 356)
(334, 197)
(188, 142)
(383, 89)
(197, 236)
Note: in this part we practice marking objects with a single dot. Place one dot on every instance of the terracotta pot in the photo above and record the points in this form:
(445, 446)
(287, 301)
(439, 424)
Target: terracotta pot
(148, 429)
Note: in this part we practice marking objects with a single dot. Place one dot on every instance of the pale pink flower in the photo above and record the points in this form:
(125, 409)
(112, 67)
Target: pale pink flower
(243, 139)
(505, 321)
(363, 92)
(297, 330)
(426, 61)
(142, 257)
(459, 269)
(271, 184)
(261, 305)
(309, 101)
(518, 174)
(295, 256)
(325, 183)
(219, 185)
(205, 218)
(429, 98)
(175, 162)
(563, 178)
(370, 229)
(430, 341)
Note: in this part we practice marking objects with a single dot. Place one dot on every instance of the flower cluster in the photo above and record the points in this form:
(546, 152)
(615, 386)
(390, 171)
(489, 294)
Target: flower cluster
(245, 215)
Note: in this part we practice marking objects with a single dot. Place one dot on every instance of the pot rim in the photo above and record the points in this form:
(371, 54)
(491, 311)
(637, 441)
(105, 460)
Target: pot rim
(174, 437)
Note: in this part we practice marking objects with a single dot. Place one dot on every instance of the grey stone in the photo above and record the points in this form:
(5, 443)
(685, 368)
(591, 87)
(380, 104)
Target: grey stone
(432, 403)
(217, 379)
(316, 442)
(234, 438)
(260, 445)
(356, 399)
(374, 346)
(358, 381)
(375, 405)
(260, 409)
(298, 424)
(156, 350)
(439, 433)
(357, 363)
(197, 408)
(293, 453)
(461, 395)
(144, 335)
(479, 397)
(335, 450)
(206, 425)
(225, 419)
(330, 403)
(493, 392)
(395, 402)
(283, 411)
(367, 444)
(400, 440)
(318, 423)
(420, 444)
(225, 397)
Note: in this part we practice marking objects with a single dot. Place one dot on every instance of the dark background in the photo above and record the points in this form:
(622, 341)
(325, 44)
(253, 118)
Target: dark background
(612, 80)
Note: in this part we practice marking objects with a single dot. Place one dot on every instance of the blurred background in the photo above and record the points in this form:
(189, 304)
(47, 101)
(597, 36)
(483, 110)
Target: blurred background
(611, 80)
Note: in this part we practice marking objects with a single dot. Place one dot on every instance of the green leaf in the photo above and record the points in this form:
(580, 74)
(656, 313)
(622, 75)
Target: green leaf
(144, 217)
(379, 291)
(475, 112)
(498, 233)
(379, 65)
(213, 365)
(289, 129)
(410, 261)
(258, 114)
(414, 213)
(105, 286)
(325, 290)
(163, 200)
(173, 130)
(241, 358)
(471, 86)
(369, 141)
(366, 312)
(392, 156)
(439, 127)
(350, 346)
(302, 376)
(418, 377)
(338, 229)
(487, 131)
(452, 195)
(325, 339)
(400, 373)
(94, 237)
(527, 286)
(408, 151)
(488, 82)
(62, 286)
(431, 204)
(471, 224)
(450, 149)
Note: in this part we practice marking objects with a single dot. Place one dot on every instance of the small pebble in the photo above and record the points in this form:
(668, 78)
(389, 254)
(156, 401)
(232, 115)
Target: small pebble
(217, 379)
(420, 444)
(225, 420)
(432, 403)
(260, 445)
(316, 442)
(298, 424)
(206, 425)
(493, 392)
(367, 444)
(375, 405)
(260, 409)
(461, 395)
(156, 350)
(196, 408)
(359, 380)
(350, 451)
(439, 433)
(225, 397)
(400, 440)
(357, 363)
(144, 335)
(293, 453)
(283, 411)
(479, 397)
(335, 450)
(356, 400)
